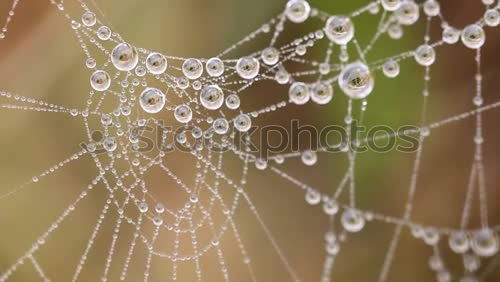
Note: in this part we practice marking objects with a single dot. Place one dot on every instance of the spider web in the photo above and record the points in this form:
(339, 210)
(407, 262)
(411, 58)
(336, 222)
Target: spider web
(172, 210)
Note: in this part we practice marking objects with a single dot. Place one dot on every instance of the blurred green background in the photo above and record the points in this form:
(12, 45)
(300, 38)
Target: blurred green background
(41, 58)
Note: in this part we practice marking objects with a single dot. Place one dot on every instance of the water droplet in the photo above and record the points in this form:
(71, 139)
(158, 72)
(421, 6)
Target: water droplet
(451, 35)
(242, 123)
(356, 80)
(299, 93)
(109, 144)
(408, 13)
(352, 220)
(183, 113)
(313, 197)
(270, 56)
(297, 11)
(192, 68)
(248, 67)
(152, 100)
(215, 67)
(473, 36)
(233, 102)
(260, 163)
(432, 8)
(212, 97)
(391, 68)
(89, 19)
(156, 63)
(339, 29)
(492, 17)
(104, 33)
(459, 242)
(124, 57)
(100, 80)
(309, 157)
(321, 93)
(485, 243)
(425, 55)
(221, 126)
(391, 5)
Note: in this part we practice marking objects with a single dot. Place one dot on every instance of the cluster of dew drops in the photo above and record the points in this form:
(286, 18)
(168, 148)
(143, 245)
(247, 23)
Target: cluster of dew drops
(355, 80)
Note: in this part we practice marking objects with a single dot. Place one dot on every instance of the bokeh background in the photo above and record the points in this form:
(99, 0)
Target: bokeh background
(41, 58)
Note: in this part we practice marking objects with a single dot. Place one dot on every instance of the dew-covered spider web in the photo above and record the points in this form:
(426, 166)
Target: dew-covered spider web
(181, 186)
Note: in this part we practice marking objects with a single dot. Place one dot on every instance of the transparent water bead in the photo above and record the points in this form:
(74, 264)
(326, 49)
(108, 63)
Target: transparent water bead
(242, 123)
(356, 80)
(451, 35)
(408, 13)
(143, 207)
(110, 144)
(106, 119)
(299, 93)
(100, 80)
(395, 31)
(297, 11)
(192, 68)
(352, 220)
(215, 67)
(183, 113)
(270, 56)
(124, 57)
(425, 55)
(330, 207)
(473, 36)
(309, 157)
(391, 5)
(233, 102)
(221, 126)
(321, 93)
(212, 97)
(459, 242)
(282, 77)
(313, 197)
(260, 164)
(432, 8)
(152, 100)
(492, 17)
(485, 243)
(104, 33)
(247, 67)
(339, 29)
(391, 68)
(89, 19)
(156, 63)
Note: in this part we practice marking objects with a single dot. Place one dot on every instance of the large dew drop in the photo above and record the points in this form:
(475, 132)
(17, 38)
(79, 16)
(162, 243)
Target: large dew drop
(408, 13)
(100, 80)
(339, 29)
(299, 93)
(352, 220)
(192, 68)
(248, 67)
(356, 80)
(297, 11)
(183, 113)
(212, 97)
(242, 123)
(156, 63)
(152, 100)
(124, 57)
(215, 67)
(473, 36)
(485, 243)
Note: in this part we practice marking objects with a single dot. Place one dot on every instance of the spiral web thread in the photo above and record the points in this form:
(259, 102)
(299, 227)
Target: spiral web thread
(135, 204)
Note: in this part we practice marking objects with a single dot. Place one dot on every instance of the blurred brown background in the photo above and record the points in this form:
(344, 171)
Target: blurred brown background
(41, 58)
